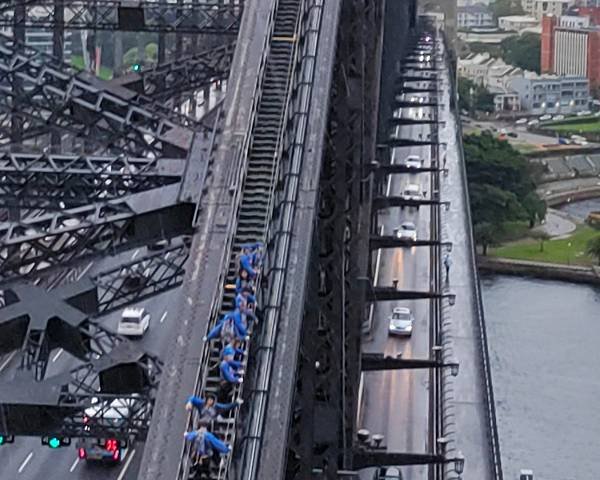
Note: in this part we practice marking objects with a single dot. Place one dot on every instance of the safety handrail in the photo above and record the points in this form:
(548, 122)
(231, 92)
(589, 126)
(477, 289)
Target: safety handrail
(490, 402)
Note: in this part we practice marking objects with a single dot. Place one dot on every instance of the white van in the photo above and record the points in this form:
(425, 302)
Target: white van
(134, 322)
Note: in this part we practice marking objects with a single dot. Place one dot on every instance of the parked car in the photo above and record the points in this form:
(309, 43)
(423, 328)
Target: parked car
(401, 322)
(133, 322)
(387, 473)
(407, 231)
(413, 161)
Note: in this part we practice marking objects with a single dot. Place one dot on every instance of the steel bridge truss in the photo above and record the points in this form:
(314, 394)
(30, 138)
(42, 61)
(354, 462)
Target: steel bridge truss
(55, 239)
(184, 74)
(166, 16)
(40, 95)
(37, 321)
(42, 180)
(81, 403)
(323, 426)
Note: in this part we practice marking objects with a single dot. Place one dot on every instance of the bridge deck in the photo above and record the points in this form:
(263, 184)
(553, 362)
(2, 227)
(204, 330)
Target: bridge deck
(472, 425)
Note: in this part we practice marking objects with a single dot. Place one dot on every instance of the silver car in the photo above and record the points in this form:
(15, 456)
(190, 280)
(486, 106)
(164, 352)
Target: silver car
(407, 231)
(401, 322)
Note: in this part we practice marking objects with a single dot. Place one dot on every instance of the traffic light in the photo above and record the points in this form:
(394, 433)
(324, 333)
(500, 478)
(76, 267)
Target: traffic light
(4, 439)
(56, 442)
(136, 67)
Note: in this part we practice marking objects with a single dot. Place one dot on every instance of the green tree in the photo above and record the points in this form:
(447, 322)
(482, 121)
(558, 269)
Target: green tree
(535, 208)
(523, 51)
(502, 8)
(540, 235)
(473, 97)
(593, 248)
(485, 234)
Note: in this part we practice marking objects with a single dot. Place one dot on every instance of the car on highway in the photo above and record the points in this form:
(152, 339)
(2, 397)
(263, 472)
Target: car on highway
(533, 122)
(407, 231)
(401, 322)
(558, 117)
(521, 121)
(134, 322)
(512, 134)
(412, 192)
(105, 415)
(387, 473)
(545, 118)
(413, 161)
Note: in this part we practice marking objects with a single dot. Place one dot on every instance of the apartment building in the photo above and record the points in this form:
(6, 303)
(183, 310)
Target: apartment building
(551, 94)
(550, 7)
(517, 23)
(474, 16)
(571, 44)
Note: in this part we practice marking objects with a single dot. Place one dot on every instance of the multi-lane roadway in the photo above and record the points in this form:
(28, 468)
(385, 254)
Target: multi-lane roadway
(26, 458)
(396, 402)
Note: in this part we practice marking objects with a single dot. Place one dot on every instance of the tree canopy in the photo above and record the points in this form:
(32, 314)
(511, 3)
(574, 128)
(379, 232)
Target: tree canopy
(502, 8)
(523, 51)
(473, 97)
(501, 186)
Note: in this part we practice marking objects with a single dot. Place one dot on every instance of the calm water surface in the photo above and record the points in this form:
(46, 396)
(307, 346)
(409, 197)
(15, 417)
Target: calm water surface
(581, 209)
(544, 342)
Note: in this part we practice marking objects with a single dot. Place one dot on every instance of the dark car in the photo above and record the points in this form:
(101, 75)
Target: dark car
(387, 473)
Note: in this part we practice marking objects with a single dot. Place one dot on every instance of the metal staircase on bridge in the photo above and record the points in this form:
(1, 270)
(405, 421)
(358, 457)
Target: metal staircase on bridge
(255, 207)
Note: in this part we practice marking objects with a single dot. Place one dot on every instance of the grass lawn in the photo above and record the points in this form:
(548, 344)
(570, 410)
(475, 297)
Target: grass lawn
(525, 147)
(555, 251)
(105, 73)
(591, 126)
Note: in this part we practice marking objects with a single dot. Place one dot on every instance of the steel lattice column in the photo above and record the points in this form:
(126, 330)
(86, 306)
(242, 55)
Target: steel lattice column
(323, 428)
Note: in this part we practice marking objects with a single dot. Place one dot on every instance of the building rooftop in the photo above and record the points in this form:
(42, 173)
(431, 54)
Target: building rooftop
(519, 18)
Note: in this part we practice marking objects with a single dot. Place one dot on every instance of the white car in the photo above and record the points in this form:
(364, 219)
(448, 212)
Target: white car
(413, 161)
(407, 231)
(533, 122)
(558, 117)
(545, 118)
(133, 322)
(412, 192)
(401, 322)
(521, 121)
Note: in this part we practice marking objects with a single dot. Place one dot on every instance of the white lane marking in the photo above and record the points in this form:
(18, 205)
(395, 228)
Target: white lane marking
(8, 359)
(126, 466)
(25, 462)
(84, 271)
(58, 354)
(135, 254)
(74, 466)
(164, 315)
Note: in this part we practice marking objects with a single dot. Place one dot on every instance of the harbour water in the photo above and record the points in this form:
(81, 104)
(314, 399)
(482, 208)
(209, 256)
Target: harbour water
(544, 340)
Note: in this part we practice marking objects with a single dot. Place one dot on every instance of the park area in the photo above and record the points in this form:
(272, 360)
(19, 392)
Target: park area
(579, 125)
(570, 250)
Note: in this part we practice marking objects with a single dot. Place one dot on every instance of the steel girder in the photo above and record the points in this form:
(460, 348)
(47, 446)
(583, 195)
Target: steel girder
(38, 321)
(323, 427)
(184, 74)
(55, 239)
(41, 180)
(46, 96)
(77, 403)
(202, 16)
(137, 280)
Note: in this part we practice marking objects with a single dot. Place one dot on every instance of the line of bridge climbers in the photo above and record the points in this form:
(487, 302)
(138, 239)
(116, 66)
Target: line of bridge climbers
(232, 331)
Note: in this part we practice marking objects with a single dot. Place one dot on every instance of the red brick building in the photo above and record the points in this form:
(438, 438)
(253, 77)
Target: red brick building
(571, 44)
